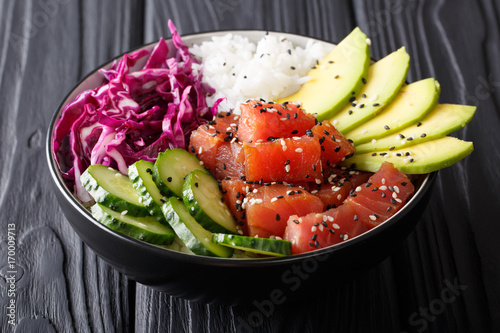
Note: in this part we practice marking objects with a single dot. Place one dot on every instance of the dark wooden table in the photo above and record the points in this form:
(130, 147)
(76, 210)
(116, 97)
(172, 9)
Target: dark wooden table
(444, 278)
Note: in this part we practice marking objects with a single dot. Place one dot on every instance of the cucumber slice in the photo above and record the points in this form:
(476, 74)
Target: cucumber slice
(196, 239)
(267, 246)
(112, 189)
(203, 198)
(145, 228)
(170, 169)
(141, 175)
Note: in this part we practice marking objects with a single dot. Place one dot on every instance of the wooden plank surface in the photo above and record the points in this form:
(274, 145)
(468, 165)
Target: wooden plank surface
(443, 278)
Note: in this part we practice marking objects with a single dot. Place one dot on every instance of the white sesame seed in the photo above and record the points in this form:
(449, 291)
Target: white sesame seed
(399, 200)
(274, 199)
(374, 140)
(383, 188)
(339, 197)
(396, 188)
(346, 236)
(373, 217)
(200, 150)
(318, 181)
(382, 180)
(124, 212)
(394, 195)
(320, 227)
(368, 41)
(335, 226)
(314, 229)
(298, 150)
(358, 189)
(330, 218)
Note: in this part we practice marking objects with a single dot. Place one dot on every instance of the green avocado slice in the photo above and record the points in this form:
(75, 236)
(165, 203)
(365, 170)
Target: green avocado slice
(384, 80)
(336, 78)
(413, 102)
(421, 158)
(443, 120)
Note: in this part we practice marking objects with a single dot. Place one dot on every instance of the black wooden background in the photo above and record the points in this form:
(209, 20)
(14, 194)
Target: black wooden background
(444, 278)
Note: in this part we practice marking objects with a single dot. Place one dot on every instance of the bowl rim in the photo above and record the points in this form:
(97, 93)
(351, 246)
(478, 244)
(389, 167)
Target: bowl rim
(424, 186)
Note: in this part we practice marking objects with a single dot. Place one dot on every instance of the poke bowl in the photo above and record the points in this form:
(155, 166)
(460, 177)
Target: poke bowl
(229, 280)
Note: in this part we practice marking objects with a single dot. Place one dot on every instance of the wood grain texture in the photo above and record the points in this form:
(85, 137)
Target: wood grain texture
(443, 278)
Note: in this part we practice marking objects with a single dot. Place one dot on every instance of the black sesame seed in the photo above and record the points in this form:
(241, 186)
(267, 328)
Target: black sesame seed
(169, 179)
(375, 188)
(332, 231)
(376, 104)
(356, 218)
(296, 221)
(350, 112)
(148, 170)
(387, 127)
(278, 217)
(309, 133)
(423, 135)
(295, 132)
(419, 124)
(314, 237)
(364, 80)
(196, 184)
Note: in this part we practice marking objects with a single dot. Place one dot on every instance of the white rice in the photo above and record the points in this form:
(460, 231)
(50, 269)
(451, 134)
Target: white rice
(270, 69)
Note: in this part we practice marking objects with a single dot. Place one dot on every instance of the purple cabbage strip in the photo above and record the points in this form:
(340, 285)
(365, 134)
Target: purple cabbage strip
(134, 115)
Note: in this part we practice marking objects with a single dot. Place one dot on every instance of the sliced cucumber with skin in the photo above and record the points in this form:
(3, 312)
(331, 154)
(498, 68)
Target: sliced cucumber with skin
(203, 198)
(266, 246)
(145, 228)
(141, 175)
(170, 169)
(197, 239)
(113, 189)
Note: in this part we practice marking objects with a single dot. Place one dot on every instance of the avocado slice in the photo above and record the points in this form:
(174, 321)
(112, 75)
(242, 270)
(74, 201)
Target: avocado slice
(412, 103)
(383, 82)
(421, 158)
(443, 120)
(336, 78)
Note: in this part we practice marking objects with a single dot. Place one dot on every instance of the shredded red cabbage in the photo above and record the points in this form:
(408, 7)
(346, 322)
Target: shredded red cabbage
(133, 115)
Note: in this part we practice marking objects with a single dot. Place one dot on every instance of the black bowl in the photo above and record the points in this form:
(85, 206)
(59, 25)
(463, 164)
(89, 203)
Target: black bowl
(210, 279)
